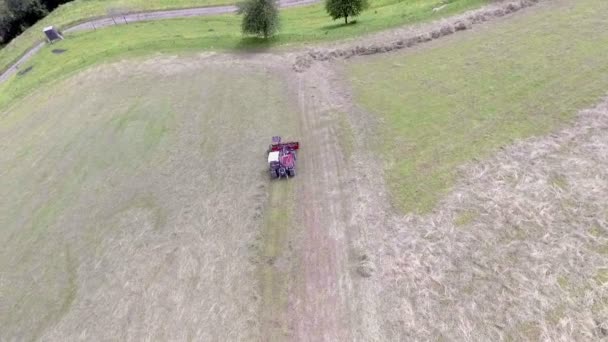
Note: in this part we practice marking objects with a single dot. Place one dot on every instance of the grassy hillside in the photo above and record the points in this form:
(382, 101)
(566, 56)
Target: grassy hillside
(80, 10)
(299, 25)
(464, 96)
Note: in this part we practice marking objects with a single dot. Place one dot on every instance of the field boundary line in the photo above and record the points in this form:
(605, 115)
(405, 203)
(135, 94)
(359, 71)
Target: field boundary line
(412, 37)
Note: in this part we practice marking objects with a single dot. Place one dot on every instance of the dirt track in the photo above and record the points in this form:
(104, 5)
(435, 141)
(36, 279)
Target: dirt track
(321, 309)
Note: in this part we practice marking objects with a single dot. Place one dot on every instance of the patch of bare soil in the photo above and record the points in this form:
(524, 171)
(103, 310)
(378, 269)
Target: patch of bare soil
(407, 37)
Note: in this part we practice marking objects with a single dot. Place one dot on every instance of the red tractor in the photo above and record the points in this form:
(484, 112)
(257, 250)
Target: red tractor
(282, 158)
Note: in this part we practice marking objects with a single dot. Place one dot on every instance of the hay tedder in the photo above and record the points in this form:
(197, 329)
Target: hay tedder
(282, 158)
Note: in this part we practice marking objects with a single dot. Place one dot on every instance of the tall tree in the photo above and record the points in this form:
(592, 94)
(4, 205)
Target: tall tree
(18, 15)
(5, 21)
(52, 4)
(260, 17)
(27, 12)
(345, 8)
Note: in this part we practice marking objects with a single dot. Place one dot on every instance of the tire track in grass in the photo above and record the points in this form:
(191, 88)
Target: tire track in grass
(274, 274)
(320, 303)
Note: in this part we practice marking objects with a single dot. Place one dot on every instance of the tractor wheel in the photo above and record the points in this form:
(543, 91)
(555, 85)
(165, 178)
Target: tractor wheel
(292, 173)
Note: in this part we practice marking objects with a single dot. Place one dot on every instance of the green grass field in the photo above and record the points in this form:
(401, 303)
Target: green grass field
(464, 96)
(81, 10)
(299, 25)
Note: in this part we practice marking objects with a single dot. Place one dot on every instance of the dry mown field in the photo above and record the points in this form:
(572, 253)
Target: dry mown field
(132, 201)
(136, 205)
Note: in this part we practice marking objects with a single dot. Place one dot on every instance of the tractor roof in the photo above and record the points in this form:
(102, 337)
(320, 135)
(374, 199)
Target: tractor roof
(273, 157)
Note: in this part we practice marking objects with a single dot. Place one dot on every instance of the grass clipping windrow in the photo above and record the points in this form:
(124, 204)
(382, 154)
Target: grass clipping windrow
(426, 34)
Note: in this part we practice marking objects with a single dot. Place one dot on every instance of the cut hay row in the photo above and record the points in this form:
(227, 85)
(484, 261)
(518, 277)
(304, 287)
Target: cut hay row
(427, 34)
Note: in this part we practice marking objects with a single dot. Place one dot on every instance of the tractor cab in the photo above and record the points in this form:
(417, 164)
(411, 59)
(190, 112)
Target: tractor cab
(282, 158)
(273, 158)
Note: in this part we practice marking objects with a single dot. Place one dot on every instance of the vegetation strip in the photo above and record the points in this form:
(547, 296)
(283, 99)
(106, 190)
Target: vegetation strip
(274, 280)
(460, 23)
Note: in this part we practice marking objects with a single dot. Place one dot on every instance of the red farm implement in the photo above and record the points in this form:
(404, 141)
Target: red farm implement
(282, 158)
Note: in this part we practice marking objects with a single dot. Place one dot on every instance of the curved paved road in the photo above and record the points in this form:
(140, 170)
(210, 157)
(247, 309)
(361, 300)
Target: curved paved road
(145, 16)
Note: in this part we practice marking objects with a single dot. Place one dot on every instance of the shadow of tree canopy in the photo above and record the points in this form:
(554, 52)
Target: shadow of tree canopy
(339, 25)
(259, 44)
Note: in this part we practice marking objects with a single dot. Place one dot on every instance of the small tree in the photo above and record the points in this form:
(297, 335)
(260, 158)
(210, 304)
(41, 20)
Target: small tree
(345, 8)
(260, 17)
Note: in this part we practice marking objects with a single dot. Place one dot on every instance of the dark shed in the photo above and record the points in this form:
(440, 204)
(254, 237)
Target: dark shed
(52, 34)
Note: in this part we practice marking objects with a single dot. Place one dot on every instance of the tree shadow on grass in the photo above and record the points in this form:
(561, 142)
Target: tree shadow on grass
(24, 72)
(339, 25)
(256, 44)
